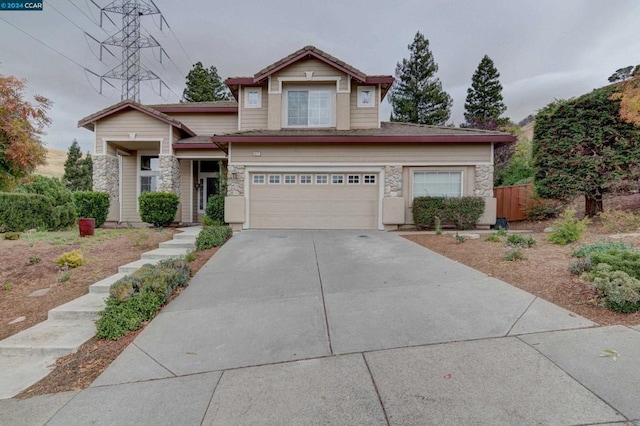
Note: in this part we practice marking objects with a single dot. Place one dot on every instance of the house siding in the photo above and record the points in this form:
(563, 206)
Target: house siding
(207, 124)
(200, 153)
(383, 154)
(362, 118)
(130, 189)
(254, 118)
(121, 124)
(319, 68)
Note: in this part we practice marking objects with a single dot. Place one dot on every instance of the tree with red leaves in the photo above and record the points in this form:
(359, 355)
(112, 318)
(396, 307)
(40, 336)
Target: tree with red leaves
(21, 124)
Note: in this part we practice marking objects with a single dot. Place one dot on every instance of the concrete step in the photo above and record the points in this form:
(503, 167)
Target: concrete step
(49, 338)
(85, 307)
(134, 266)
(165, 253)
(176, 244)
(191, 232)
(104, 285)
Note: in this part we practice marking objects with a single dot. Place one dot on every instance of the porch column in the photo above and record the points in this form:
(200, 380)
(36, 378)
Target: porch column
(393, 202)
(106, 178)
(169, 179)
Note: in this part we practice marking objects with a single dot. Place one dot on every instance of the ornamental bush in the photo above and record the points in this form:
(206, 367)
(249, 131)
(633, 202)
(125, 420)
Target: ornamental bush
(72, 259)
(19, 212)
(620, 291)
(158, 208)
(215, 208)
(91, 204)
(568, 229)
(619, 260)
(213, 236)
(463, 212)
(63, 213)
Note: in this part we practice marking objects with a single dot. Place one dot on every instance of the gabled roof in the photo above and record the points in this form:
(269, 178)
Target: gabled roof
(387, 133)
(88, 122)
(306, 53)
(213, 107)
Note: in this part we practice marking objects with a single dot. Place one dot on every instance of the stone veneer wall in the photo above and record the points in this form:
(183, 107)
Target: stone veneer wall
(235, 187)
(483, 185)
(393, 181)
(169, 179)
(106, 175)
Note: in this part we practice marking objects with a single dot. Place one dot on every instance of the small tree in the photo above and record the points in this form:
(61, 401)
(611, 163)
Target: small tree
(625, 73)
(77, 170)
(204, 85)
(417, 95)
(583, 146)
(484, 104)
(21, 124)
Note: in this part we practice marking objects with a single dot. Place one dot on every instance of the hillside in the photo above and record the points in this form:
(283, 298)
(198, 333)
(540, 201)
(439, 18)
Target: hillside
(527, 129)
(55, 163)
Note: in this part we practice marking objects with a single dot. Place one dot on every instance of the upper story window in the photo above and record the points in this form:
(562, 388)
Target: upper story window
(253, 97)
(366, 97)
(309, 108)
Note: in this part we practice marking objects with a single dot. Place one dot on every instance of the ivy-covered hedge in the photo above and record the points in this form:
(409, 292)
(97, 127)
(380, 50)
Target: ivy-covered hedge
(158, 208)
(19, 212)
(462, 212)
(91, 204)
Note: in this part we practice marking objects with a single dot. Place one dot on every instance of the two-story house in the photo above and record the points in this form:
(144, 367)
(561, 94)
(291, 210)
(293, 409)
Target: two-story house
(301, 147)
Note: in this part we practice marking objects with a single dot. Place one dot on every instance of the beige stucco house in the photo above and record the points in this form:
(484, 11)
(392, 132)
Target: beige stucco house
(302, 147)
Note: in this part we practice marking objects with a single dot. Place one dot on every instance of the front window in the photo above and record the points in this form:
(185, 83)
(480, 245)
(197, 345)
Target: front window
(149, 173)
(309, 108)
(437, 184)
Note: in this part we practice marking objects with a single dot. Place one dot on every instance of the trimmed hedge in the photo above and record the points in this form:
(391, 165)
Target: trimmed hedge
(213, 236)
(158, 208)
(91, 204)
(63, 214)
(215, 208)
(463, 212)
(19, 212)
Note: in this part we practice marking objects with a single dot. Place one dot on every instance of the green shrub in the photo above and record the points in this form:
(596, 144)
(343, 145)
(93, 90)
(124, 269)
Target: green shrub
(617, 221)
(514, 254)
(620, 291)
(213, 236)
(136, 298)
(493, 238)
(568, 229)
(542, 209)
(215, 208)
(158, 208)
(463, 212)
(516, 240)
(21, 211)
(72, 259)
(619, 260)
(601, 246)
(12, 236)
(91, 204)
(207, 221)
(64, 212)
(580, 266)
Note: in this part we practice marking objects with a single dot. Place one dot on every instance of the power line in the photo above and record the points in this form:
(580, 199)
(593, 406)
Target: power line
(66, 17)
(175, 36)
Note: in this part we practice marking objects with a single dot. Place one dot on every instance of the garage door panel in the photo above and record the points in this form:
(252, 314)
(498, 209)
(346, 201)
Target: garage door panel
(313, 206)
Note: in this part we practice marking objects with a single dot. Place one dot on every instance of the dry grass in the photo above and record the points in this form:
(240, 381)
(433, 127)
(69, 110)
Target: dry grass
(55, 164)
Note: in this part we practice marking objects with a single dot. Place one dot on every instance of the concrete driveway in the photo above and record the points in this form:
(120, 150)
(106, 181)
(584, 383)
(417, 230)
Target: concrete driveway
(357, 327)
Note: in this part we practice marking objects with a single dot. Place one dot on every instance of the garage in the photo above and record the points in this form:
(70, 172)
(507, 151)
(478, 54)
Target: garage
(288, 200)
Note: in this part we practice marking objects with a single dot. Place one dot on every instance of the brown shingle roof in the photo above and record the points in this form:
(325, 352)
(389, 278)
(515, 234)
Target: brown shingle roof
(187, 105)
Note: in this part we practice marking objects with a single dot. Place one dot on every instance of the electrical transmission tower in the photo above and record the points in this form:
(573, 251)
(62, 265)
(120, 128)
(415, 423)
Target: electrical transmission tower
(131, 41)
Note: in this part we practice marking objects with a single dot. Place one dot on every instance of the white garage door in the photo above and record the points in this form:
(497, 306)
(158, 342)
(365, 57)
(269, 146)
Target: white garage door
(313, 200)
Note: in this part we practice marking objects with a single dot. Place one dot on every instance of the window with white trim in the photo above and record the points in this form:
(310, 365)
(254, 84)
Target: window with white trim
(353, 179)
(366, 97)
(322, 179)
(274, 179)
(309, 108)
(305, 179)
(337, 179)
(289, 179)
(253, 98)
(258, 179)
(369, 179)
(149, 173)
(437, 184)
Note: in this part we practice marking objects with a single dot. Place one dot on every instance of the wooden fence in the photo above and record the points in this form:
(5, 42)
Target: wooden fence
(513, 201)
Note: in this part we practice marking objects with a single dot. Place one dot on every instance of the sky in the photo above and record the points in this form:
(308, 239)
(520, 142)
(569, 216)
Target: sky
(544, 49)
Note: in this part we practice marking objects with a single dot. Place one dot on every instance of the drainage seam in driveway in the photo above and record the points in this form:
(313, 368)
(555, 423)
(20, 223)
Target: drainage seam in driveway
(375, 387)
(521, 315)
(324, 304)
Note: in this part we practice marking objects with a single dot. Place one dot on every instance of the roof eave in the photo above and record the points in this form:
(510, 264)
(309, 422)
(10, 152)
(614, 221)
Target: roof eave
(364, 139)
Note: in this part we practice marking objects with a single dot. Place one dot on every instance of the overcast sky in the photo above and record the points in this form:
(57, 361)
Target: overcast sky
(543, 49)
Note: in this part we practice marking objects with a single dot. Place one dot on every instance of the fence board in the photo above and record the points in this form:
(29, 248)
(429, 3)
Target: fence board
(513, 201)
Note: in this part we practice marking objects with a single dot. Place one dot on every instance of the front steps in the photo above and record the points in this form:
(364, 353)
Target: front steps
(70, 325)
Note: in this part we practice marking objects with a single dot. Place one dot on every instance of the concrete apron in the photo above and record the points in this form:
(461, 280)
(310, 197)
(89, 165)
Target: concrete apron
(358, 327)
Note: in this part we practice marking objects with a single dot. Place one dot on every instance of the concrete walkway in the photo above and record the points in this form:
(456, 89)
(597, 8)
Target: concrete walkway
(348, 327)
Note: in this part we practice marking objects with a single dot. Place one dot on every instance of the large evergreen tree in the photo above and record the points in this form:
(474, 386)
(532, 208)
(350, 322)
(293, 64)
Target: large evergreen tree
(77, 170)
(583, 146)
(484, 104)
(204, 85)
(417, 95)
